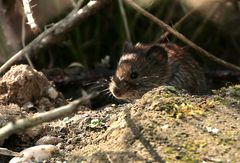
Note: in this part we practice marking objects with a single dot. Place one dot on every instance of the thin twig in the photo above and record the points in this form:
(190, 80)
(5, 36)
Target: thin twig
(210, 14)
(182, 20)
(178, 24)
(23, 124)
(79, 4)
(60, 28)
(74, 4)
(180, 36)
(125, 21)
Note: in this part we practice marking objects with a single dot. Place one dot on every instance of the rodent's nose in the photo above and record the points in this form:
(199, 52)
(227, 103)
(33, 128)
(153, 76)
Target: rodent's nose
(117, 92)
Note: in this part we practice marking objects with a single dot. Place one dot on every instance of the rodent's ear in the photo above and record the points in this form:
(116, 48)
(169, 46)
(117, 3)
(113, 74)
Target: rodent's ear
(157, 53)
(127, 46)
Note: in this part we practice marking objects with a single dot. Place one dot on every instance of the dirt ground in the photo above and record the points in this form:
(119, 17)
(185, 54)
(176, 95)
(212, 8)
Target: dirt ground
(165, 125)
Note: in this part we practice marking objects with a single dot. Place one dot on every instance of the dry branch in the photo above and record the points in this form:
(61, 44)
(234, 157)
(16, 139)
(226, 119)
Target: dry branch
(23, 124)
(47, 37)
(180, 36)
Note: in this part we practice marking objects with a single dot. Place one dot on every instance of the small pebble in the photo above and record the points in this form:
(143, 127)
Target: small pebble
(69, 141)
(60, 146)
(69, 147)
(212, 130)
(52, 93)
(49, 140)
(75, 140)
(164, 127)
(28, 106)
(59, 162)
(35, 154)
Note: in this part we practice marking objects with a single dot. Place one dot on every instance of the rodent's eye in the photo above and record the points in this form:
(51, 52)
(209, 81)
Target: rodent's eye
(133, 75)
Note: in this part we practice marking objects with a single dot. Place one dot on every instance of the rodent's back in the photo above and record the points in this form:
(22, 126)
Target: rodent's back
(185, 72)
(144, 67)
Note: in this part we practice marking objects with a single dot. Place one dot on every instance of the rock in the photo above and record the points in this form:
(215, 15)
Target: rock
(49, 140)
(60, 145)
(22, 84)
(69, 147)
(52, 93)
(35, 154)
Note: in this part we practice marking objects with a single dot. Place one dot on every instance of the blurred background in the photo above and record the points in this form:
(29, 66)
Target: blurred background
(95, 46)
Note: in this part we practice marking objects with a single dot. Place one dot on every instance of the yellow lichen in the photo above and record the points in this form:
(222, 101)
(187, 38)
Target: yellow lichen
(186, 109)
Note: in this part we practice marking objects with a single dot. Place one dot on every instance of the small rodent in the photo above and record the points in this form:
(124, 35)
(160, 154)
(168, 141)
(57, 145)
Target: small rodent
(143, 67)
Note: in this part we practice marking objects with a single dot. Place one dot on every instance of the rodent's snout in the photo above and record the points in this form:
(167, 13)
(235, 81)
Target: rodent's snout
(116, 92)
(116, 88)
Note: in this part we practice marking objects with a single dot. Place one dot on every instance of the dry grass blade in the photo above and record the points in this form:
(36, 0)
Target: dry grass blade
(125, 21)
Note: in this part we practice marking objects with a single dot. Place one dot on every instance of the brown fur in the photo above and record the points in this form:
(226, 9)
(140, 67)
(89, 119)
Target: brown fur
(155, 65)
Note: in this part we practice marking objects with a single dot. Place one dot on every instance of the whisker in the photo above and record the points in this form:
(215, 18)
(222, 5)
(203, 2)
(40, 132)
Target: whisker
(148, 77)
(105, 90)
(108, 94)
(102, 81)
(98, 87)
(101, 91)
(116, 86)
(91, 83)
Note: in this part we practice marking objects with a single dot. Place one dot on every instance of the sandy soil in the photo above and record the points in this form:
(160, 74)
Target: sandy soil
(165, 125)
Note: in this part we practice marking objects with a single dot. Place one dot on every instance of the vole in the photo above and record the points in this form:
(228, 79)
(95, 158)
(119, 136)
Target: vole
(143, 67)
